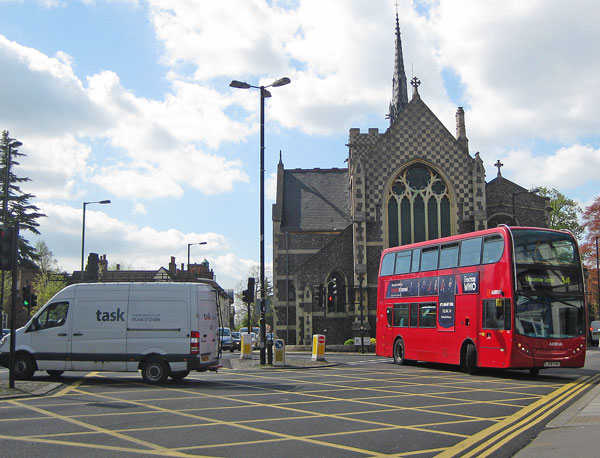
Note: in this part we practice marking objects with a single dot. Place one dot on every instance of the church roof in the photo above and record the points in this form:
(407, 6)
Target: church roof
(315, 200)
(399, 89)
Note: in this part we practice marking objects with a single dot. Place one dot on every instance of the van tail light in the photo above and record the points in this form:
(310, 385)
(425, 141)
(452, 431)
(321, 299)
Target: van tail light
(194, 343)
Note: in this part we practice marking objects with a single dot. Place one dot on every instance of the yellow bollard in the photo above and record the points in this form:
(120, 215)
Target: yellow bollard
(318, 349)
(246, 346)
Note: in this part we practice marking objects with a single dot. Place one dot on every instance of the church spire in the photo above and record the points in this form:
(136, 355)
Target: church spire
(399, 90)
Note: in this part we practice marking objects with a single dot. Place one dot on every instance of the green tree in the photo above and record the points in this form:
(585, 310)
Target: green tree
(564, 212)
(591, 222)
(49, 279)
(17, 202)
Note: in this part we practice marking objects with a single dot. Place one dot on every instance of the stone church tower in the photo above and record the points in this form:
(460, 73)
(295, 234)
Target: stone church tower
(415, 181)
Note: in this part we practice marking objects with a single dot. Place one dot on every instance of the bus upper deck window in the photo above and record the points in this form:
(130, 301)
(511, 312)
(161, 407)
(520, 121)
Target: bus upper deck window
(470, 252)
(429, 259)
(449, 256)
(416, 260)
(402, 262)
(387, 264)
(493, 247)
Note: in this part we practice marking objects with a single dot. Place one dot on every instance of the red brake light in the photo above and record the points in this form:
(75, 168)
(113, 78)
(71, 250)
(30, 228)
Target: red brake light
(194, 342)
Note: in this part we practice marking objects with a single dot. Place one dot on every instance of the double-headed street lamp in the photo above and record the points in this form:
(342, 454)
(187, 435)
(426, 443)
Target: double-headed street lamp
(263, 94)
(103, 202)
(188, 264)
(531, 191)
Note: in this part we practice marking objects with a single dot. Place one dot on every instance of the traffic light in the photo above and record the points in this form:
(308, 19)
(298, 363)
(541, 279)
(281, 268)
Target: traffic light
(7, 248)
(26, 296)
(248, 294)
(33, 300)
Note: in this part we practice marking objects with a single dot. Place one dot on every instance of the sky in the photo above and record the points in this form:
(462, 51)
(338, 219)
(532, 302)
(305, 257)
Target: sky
(129, 100)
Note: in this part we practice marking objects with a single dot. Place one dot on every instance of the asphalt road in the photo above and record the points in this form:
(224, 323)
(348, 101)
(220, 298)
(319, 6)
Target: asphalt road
(364, 406)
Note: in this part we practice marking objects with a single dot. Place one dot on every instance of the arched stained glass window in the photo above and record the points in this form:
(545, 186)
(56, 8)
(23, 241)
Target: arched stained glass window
(418, 206)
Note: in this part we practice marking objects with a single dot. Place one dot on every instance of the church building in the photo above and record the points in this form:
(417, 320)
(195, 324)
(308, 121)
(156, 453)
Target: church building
(415, 181)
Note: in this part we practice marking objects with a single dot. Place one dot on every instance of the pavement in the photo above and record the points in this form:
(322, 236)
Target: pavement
(578, 424)
(573, 433)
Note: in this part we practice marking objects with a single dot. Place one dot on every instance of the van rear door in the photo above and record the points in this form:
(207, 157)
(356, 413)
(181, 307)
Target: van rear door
(208, 324)
(159, 323)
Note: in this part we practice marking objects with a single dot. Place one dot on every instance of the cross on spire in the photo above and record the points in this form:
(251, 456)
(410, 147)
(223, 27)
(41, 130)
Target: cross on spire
(499, 164)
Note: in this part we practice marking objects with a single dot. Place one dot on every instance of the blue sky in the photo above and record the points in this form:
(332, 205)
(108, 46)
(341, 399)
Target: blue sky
(129, 101)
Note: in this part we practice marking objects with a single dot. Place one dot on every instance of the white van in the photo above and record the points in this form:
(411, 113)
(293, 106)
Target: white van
(162, 329)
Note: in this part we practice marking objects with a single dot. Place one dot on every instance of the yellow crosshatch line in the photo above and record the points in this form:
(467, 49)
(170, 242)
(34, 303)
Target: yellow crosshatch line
(78, 389)
(528, 416)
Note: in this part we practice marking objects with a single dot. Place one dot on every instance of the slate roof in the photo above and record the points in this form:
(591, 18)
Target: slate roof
(316, 200)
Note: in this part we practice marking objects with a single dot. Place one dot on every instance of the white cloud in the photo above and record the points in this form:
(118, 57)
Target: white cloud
(271, 187)
(568, 168)
(134, 246)
(525, 66)
(139, 209)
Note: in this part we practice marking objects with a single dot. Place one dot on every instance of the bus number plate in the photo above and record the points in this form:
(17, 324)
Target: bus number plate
(551, 364)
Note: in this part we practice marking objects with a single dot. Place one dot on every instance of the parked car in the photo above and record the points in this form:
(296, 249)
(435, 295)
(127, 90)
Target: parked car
(594, 332)
(236, 338)
(226, 340)
(270, 338)
(4, 332)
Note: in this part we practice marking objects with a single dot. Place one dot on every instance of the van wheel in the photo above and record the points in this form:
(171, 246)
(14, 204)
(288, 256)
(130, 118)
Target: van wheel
(24, 366)
(179, 375)
(471, 359)
(55, 374)
(155, 371)
(399, 352)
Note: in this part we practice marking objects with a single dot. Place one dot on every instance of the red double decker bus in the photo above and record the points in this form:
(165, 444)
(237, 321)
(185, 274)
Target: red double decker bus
(508, 297)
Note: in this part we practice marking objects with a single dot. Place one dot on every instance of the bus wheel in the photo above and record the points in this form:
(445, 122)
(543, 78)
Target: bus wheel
(471, 359)
(534, 371)
(155, 371)
(399, 352)
(24, 366)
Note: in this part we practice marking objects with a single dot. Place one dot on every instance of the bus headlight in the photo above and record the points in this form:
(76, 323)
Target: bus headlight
(524, 348)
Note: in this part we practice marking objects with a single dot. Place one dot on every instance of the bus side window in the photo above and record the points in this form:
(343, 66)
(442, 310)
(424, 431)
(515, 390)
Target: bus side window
(449, 256)
(470, 252)
(416, 260)
(493, 247)
(427, 315)
(402, 262)
(414, 315)
(429, 258)
(401, 315)
(387, 264)
(390, 315)
(496, 314)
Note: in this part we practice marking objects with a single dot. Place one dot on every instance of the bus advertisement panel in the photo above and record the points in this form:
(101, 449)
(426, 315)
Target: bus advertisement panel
(503, 297)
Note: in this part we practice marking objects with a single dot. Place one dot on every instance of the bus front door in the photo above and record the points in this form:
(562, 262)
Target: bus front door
(495, 332)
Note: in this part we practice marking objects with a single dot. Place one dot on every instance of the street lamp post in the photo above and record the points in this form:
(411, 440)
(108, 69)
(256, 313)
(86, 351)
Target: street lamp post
(263, 94)
(188, 264)
(531, 191)
(103, 202)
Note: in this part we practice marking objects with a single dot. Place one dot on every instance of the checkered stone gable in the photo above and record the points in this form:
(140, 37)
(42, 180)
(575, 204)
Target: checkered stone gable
(416, 136)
